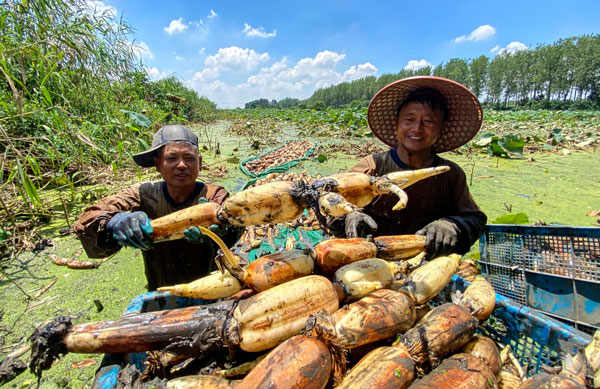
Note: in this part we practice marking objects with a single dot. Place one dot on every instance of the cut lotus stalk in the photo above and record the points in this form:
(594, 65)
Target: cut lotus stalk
(396, 247)
(269, 270)
(270, 317)
(275, 202)
(479, 298)
(299, 362)
(592, 352)
(384, 187)
(511, 373)
(334, 204)
(282, 201)
(262, 274)
(171, 227)
(360, 189)
(384, 367)
(354, 187)
(441, 332)
(360, 278)
(428, 280)
(406, 178)
(485, 349)
(202, 381)
(458, 371)
(200, 329)
(278, 268)
(212, 287)
(572, 376)
(332, 254)
(377, 316)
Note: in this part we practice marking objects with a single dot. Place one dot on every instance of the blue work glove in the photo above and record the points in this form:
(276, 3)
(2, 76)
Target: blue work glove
(441, 237)
(357, 219)
(194, 235)
(131, 229)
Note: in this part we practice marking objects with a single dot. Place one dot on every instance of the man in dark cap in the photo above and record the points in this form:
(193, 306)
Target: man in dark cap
(123, 219)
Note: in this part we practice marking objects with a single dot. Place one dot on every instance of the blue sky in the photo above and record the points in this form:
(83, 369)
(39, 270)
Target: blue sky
(233, 52)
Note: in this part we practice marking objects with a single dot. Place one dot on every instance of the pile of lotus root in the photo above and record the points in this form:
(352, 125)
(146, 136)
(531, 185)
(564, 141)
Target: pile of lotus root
(347, 313)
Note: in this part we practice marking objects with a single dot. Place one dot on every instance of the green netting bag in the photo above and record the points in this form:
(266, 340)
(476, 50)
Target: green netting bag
(275, 169)
(304, 239)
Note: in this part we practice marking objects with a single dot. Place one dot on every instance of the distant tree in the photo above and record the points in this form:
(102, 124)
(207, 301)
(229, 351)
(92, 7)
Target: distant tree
(318, 105)
(477, 74)
(456, 69)
(495, 82)
(288, 103)
(425, 71)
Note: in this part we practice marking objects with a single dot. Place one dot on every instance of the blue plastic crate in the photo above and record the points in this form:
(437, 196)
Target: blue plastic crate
(555, 270)
(536, 339)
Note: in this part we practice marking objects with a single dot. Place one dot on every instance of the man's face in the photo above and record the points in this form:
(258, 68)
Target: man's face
(178, 164)
(418, 127)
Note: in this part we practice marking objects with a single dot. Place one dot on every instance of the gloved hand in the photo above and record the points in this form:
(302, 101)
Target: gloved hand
(441, 237)
(131, 229)
(194, 235)
(357, 219)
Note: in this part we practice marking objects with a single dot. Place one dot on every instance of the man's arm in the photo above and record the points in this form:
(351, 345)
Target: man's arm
(468, 217)
(91, 228)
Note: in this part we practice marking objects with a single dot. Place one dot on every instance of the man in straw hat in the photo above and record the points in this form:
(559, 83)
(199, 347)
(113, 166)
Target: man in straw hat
(420, 117)
(123, 219)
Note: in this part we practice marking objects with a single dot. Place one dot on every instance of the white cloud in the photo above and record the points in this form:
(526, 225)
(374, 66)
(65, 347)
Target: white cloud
(98, 7)
(176, 27)
(208, 74)
(179, 58)
(479, 34)
(414, 64)
(212, 14)
(141, 50)
(511, 48)
(360, 71)
(259, 32)
(202, 50)
(235, 59)
(156, 74)
(279, 80)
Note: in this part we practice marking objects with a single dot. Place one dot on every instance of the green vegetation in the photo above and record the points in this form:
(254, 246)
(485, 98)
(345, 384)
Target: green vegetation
(73, 101)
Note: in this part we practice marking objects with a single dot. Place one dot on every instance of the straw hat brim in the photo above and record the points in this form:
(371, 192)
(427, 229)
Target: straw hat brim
(464, 119)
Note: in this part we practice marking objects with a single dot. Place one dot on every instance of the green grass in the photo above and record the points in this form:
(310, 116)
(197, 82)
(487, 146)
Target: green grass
(553, 188)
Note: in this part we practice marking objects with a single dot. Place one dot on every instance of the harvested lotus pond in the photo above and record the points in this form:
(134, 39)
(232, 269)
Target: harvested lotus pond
(544, 177)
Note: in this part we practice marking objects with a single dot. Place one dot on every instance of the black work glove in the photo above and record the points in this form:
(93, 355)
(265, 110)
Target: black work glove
(441, 237)
(131, 229)
(194, 235)
(357, 219)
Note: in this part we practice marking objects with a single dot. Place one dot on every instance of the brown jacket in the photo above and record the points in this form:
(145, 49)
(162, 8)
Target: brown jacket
(167, 263)
(443, 196)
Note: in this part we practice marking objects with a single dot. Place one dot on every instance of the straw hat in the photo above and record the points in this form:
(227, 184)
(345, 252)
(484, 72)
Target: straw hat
(464, 111)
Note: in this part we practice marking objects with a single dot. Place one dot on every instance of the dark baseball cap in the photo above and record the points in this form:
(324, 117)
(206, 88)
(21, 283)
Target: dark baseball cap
(166, 134)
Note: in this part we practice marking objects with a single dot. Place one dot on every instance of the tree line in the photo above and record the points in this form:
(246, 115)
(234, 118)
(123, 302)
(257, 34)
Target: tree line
(561, 75)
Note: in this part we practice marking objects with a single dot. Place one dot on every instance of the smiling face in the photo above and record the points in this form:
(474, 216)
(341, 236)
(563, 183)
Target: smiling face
(418, 127)
(179, 165)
